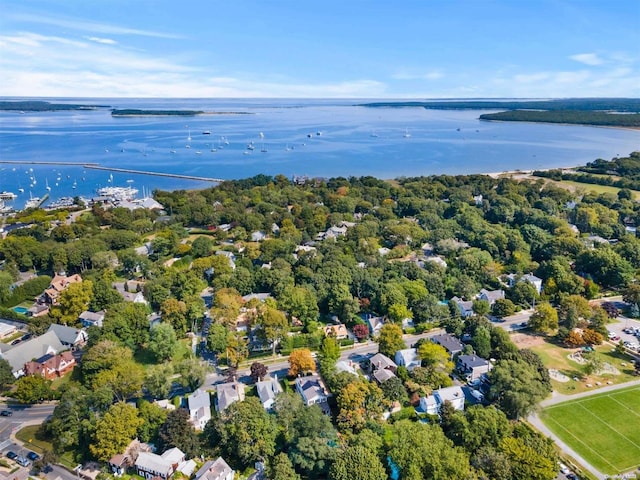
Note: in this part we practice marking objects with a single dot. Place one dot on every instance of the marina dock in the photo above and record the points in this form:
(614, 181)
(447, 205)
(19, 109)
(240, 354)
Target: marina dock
(97, 166)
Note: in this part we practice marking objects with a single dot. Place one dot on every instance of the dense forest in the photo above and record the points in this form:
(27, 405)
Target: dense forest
(631, 105)
(567, 116)
(42, 106)
(322, 251)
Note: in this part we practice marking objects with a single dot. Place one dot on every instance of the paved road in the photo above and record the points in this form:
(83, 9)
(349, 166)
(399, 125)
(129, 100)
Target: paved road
(514, 322)
(559, 398)
(22, 414)
(359, 352)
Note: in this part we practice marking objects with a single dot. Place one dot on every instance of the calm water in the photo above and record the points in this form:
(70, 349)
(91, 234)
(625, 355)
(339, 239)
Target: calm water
(352, 141)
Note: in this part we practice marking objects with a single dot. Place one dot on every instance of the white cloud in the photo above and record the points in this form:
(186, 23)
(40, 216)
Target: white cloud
(104, 41)
(591, 59)
(87, 25)
(431, 75)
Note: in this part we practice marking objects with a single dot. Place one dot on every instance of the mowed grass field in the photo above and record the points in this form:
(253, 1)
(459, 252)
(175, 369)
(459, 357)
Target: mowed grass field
(604, 429)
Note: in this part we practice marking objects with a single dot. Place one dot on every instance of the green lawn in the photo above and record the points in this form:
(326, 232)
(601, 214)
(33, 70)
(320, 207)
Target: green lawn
(601, 428)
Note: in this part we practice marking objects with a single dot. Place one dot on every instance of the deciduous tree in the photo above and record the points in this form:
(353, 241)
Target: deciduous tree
(301, 361)
(114, 430)
(357, 462)
(390, 339)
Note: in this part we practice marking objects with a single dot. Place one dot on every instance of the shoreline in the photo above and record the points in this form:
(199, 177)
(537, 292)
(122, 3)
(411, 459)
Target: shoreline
(527, 172)
(630, 128)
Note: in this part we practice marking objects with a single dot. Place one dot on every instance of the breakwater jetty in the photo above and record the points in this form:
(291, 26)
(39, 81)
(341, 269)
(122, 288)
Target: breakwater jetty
(97, 166)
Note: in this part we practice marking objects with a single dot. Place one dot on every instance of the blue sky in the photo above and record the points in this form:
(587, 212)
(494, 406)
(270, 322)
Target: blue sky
(327, 48)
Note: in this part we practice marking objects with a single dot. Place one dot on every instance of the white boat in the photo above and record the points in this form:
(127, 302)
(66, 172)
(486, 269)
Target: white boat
(33, 202)
(21, 190)
(118, 193)
(189, 136)
(46, 182)
(206, 132)
(8, 195)
(407, 134)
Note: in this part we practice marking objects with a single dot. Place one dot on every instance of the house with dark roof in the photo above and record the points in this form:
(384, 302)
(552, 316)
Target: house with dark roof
(51, 366)
(313, 391)
(69, 336)
(465, 307)
(472, 366)
(381, 362)
(216, 469)
(449, 342)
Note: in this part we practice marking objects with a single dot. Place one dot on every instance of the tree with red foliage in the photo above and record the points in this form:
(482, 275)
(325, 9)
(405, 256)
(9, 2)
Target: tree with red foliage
(361, 331)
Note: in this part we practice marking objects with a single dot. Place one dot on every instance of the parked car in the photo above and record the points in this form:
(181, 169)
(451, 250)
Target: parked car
(23, 462)
(33, 456)
(12, 455)
(6, 413)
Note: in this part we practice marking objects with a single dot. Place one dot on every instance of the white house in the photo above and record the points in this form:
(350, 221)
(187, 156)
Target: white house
(268, 389)
(433, 403)
(199, 405)
(150, 465)
(312, 391)
(408, 358)
(216, 469)
(230, 256)
(491, 295)
(529, 277)
(465, 307)
(92, 319)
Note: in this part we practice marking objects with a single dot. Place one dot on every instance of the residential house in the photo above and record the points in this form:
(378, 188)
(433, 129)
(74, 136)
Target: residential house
(7, 329)
(529, 277)
(375, 324)
(38, 347)
(38, 310)
(312, 391)
(259, 296)
(230, 256)
(339, 331)
(58, 284)
(437, 260)
(147, 203)
(228, 393)
(145, 250)
(449, 342)
(408, 358)
(433, 403)
(132, 292)
(382, 375)
(491, 295)
(268, 389)
(119, 463)
(150, 465)
(199, 405)
(92, 319)
(473, 366)
(216, 469)
(258, 236)
(69, 336)
(346, 366)
(381, 362)
(465, 307)
(51, 366)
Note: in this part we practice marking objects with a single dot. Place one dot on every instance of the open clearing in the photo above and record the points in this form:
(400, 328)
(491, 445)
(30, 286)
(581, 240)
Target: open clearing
(601, 428)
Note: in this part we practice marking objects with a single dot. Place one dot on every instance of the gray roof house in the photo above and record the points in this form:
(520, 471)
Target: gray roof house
(268, 389)
(216, 469)
(228, 393)
(473, 366)
(150, 465)
(382, 375)
(19, 355)
(92, 319)
(199, 405)
(69, 336)
(381, 362)
(465, 307)
(529, 277)
(312, 391)
(449, 342)
(491, 295)
(408, 358)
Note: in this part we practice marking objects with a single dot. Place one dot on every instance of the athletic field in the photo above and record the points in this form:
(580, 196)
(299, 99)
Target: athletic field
(604, 429)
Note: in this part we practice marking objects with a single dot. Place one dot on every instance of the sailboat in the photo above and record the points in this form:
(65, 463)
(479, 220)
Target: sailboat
(263, 150)
(188, 134)
(46, 182)
(407, 134)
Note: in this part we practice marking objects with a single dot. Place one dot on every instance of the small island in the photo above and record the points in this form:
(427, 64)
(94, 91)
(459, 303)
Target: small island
(603, 119)
(42, 106)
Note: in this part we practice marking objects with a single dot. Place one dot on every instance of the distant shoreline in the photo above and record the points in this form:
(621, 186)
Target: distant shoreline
(628, 127)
